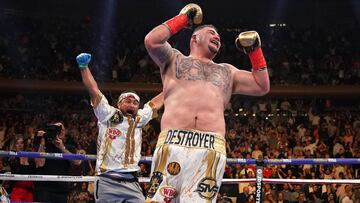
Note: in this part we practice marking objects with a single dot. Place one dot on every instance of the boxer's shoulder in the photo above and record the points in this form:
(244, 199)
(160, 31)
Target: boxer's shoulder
(177, 53)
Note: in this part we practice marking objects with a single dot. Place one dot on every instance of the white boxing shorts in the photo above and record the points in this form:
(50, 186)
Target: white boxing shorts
(187, 166)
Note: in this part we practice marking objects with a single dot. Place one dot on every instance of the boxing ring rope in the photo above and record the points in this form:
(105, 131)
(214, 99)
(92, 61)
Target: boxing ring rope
(48, 155)
(258, 180)
(60, 178)
(311, 161)
(148, 159)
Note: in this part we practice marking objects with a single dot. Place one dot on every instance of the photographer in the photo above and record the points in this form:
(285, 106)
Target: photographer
(51, 140)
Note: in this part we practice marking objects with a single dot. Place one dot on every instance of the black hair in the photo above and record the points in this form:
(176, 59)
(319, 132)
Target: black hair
(204, 26)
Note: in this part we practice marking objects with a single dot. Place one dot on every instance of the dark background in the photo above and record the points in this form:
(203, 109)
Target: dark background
(255, 11)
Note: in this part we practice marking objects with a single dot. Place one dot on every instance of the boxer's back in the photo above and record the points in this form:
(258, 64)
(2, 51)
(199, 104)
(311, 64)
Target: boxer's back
(195, 94)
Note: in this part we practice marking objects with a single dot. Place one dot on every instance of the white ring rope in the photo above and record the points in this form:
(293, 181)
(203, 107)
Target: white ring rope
(18, 177)
(60, 178)
(312, 181)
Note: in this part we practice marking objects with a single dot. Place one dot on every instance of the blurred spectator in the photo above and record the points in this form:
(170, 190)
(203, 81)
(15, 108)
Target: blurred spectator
(280, 198)
(21, 191)
(53, 140)
(348, 196)
(81, 194)
(274, 139)
(41, 48)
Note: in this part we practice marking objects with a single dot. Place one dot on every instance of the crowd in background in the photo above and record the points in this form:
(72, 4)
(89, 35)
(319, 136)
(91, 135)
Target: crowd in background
(269, 128)
(45, 50)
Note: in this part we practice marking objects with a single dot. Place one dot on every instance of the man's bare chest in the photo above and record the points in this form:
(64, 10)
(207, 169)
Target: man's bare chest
(195, 70)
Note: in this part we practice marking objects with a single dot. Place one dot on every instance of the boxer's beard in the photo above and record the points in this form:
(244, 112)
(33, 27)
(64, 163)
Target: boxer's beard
(213, 50)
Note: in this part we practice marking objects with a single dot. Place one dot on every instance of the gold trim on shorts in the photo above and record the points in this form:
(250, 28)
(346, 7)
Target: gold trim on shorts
(192, 139)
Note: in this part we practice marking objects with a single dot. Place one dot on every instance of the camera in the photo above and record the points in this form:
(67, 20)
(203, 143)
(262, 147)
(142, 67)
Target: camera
(51, 131)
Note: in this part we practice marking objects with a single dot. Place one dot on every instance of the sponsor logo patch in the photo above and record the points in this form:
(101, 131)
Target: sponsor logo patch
(168, 192)
(116, 119)
(173, 168)
(155, 181)
(112, 133)
(207, 188)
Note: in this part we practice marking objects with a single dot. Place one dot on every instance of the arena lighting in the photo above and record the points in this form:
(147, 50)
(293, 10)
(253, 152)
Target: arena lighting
(277, 13)
(277, 25)
(356, 6)
(105, 28)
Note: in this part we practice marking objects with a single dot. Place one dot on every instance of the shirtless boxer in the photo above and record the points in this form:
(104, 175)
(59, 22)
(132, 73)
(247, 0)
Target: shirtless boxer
(190, 156)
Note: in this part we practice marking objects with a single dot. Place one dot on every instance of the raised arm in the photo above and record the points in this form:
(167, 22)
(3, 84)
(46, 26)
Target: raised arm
(158, 101)
(257, 81)
(83, 61)
(156, 40)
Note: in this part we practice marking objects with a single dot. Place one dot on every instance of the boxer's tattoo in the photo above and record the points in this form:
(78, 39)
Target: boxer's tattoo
(193, 69)
(164, 53)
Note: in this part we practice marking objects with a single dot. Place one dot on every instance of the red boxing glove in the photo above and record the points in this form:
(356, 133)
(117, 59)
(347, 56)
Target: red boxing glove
(257, 59)
(177, 23)
(189, 15)
(249, 43)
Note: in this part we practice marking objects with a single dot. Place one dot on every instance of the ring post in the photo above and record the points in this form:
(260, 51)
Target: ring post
(259, 180)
